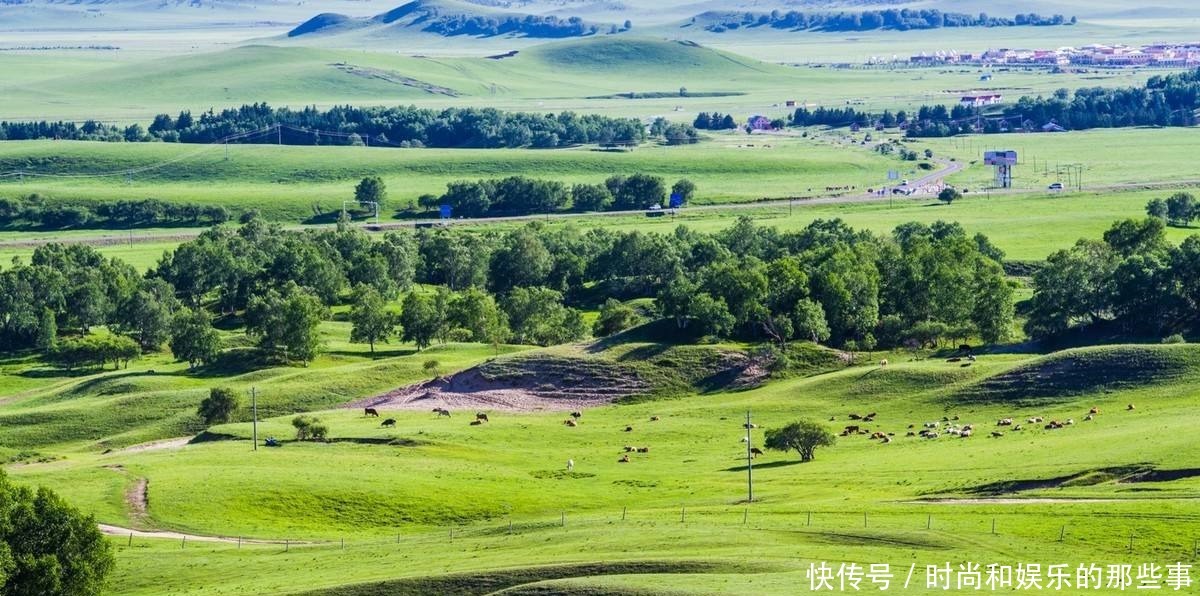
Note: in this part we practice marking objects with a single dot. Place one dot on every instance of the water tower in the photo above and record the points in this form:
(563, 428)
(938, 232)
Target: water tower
(1002, 162)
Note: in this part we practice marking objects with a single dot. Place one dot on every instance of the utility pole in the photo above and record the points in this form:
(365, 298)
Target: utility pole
(749, 462)
(254, 406)
(278, 134)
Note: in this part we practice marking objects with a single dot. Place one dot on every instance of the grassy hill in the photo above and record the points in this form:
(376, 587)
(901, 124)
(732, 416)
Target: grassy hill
(446, 490)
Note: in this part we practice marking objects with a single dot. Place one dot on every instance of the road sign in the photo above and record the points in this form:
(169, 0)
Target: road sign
(893, 175)
(445, 211)
(676, 200)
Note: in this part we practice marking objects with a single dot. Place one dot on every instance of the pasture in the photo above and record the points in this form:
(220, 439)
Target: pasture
(446, 490)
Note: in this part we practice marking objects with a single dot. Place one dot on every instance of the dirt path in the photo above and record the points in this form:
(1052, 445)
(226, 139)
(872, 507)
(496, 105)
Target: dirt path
(175, 443)
(137, 498)
(112, 530)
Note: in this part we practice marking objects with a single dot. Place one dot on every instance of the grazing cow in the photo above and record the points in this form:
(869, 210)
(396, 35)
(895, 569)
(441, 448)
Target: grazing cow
(832, 418)
(476, 422)
(1018, 427)
(755, 451)
(886, 440)
(883, 363)
(878, 435)
(643, 450)
(389, 423)
(997, 434)
(970, 358)
(853, 428)
(628, 449)
(912, 426)
(1129, 408)
(570, 422)
(577, 415)
(1034, 420)
(1053, 424)
(931, 435)
(964, 434)
(854, 417)
(481, 417)
(1004, 422)
(749, 426)
(910, 434)
(370, 412)
(1089, 417)
(442, 412)
(871, 415)
(744, 440)
(1069, 421)
(654, 419)
(570, 465)
(628, 429)
(624, 459)
(955, 417)
(968, 427)
(1094, 410)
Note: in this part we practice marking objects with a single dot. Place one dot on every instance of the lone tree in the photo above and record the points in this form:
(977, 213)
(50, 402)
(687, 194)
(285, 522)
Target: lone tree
(371, 190)
(949, 195)
(372, 320)
(193, 338)
(47, 547)
(218, 407)
(803, 435)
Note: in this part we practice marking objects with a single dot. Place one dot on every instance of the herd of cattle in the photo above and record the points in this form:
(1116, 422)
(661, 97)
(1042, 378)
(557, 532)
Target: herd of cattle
(950, 426)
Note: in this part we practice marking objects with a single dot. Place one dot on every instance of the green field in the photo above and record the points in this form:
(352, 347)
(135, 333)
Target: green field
(445, 478)
(551, 77)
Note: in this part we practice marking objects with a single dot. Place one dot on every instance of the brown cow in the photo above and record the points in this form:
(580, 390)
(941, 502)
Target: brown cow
(755, 451)
(476, 422)
(389, 423)
(654, 419)
(481, 417)
(370, 412)
(1094, 410)
(570, 422)
(624, 459)
(629, 449)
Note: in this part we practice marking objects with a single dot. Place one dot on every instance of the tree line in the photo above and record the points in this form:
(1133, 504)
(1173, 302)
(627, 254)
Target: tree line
(348, 125)
(1132, 281)
(519, 195)
(1165, 100)
(920, 285)
(904, 19)
(32, 211)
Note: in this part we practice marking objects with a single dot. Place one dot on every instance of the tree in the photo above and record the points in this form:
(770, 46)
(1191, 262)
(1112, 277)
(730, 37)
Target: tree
(147, 314)
(591, 197)
(47, 547)
(372, 321)
(808, 320)
(286, 322)
(685, 189)
(193, 338)
(477, 313)
(538, 316)
(219, 406)
(371, 190)
(1157, 208)
(949, 195)
(419, 319)
(615, 316)
(803, 436)
(1181, 208)
(47, 331)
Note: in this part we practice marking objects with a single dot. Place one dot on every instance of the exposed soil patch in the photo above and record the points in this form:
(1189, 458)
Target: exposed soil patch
(164, 444)
(520, 385)
(1117, 474)
(137, 499)
(367, 72)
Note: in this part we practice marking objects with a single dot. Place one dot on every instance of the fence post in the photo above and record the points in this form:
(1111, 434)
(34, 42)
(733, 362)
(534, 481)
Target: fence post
(682, 513)
(183, 543)
(809, 518)
(623, 511)
(397, 538)
(1061, 533)
(746, 516)
(239, 543)
(929, 521)
(562, 518)
(993, 526)
(286, 544)
(131, 539)
(1131, 541)
(510, 526)
(343, 544)
(864, 519)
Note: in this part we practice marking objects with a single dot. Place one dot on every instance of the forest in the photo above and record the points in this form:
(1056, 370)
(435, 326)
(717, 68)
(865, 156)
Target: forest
(919, 286)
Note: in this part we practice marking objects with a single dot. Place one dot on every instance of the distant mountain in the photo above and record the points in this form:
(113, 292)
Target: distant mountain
(449, 19)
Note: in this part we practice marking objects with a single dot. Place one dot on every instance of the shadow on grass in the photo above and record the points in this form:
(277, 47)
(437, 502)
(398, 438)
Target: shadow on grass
(768, 465)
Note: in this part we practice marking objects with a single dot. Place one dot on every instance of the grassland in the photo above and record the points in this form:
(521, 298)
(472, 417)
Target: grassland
(549, 77)
(449, 489)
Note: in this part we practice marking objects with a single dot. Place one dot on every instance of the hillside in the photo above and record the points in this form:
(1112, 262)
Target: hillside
(449, 18)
